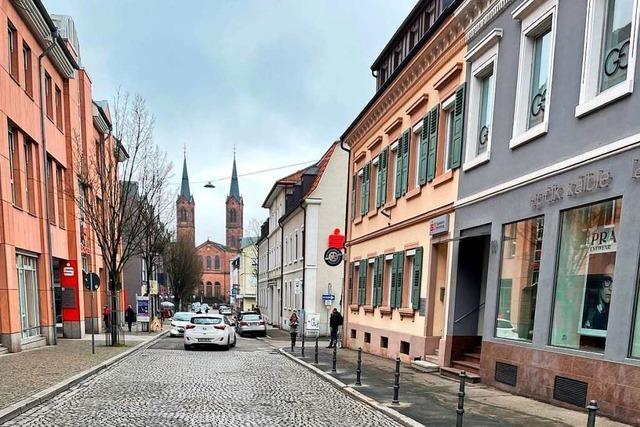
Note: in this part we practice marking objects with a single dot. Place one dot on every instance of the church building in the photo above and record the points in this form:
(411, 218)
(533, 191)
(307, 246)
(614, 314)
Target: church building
(215, 286)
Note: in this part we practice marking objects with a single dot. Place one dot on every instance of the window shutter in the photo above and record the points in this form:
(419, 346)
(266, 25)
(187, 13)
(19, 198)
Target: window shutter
(399, 279)
(398, 171)
(417, 279)
(458, 128)
(384, 158)
(374, 290)
(380, 274)
(378, 181)
(351, 266)
(405, 161)
(354, 184)
(363, 282)
(367, 180)
(394, 274)
(433, 143)
(424, 144)
(362, 204)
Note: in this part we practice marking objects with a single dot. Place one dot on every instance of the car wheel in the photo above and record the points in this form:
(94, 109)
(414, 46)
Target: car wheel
(235, 339)
(187, 347)
(228, 344)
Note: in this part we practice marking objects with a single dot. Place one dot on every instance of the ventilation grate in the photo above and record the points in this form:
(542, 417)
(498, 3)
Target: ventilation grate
(570, 391)
(506, 373)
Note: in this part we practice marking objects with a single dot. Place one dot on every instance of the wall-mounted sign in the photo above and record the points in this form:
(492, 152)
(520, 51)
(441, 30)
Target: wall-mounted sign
(333, 257)
(313, 322)
(68, 270)
(439, 225)
(587, 183)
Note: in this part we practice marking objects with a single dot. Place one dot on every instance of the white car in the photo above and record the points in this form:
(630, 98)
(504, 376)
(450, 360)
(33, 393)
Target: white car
(504, 329)
(226, 310)
(179, 322)
(209, 329)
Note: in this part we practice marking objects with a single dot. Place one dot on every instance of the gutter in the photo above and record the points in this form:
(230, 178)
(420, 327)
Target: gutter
(345, 275)
(304, 263)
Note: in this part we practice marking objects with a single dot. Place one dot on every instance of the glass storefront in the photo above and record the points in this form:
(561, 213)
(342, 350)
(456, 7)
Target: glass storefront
(584, 277)
(519, 272)
(28, 289)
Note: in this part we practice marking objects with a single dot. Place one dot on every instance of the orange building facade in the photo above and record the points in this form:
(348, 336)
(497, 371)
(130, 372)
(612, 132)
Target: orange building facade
(405, 152)
(46, 117)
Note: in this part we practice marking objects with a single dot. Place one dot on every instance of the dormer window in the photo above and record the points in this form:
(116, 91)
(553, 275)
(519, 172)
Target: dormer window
(397, 57)
(413, 36)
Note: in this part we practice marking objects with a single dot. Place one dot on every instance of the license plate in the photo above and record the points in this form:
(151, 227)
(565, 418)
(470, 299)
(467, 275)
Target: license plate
(204, 339)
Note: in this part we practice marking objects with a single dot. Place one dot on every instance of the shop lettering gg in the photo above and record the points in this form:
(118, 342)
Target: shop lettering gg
(586, 183)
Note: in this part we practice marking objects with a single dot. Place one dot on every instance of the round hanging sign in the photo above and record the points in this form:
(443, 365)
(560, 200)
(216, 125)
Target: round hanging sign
(333, 257)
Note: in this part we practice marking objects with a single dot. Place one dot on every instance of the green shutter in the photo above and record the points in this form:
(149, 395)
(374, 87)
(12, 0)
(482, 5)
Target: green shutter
(366, 180)
(380, 276)
(382, 177)
(362, 206)
(404, 140)
(398, 189)
(362, 270)
(351, 267)
(433, 143)
(374, 290)
(394, 274)
(417, 279)
(399, 279)
(458, 128)
(354, 184)
(424, 143)
(378, 181)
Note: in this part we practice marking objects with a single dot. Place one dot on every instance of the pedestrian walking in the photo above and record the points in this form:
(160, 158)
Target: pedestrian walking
(293, 328)
(335, 321)
(257, 310)
(130, 316)
(106, 316)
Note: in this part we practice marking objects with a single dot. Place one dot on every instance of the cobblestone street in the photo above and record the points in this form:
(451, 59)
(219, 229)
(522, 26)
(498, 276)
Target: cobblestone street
(251, 385)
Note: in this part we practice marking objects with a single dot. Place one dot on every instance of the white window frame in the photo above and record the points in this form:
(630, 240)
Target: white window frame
(448, 106)
(417, 137)
(532, 14)
(590, 99)
(482, 57)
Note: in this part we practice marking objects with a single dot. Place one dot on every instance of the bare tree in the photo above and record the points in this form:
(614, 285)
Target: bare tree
(253, 232)
(184, 269)
(122, 178)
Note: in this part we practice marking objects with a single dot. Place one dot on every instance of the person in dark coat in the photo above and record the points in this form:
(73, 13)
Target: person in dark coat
(129, 316)
(335, 321)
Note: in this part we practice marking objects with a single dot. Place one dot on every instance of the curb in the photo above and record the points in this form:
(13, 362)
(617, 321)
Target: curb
(18, 408)
(391, 413)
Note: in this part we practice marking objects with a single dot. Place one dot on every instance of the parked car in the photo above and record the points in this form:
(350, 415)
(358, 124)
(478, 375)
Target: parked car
(179, 322)
(504, 329)
(225, 309)
(251, 324)
(195, 306)
(204, 307)
(209, 329)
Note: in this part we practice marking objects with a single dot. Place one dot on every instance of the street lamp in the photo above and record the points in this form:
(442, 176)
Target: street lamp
(209, 184)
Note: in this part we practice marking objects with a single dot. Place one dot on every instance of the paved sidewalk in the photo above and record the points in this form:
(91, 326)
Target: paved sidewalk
(432, 399)
(26, 373)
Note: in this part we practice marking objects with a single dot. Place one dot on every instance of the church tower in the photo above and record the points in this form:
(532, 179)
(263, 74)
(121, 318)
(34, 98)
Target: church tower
(185, 209)
(235, 206)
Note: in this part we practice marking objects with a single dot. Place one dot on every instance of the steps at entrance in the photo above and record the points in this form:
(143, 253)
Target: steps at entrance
(3, 350)
(469, 367)
(424, 366)
(454, 373)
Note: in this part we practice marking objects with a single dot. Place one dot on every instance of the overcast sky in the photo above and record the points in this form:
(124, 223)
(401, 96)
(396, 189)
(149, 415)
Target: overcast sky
(280, 79)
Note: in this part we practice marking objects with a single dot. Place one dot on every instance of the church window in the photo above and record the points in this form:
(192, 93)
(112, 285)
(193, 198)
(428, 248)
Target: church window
(217, 262)
(209, 263)
(209, 290)
(218, 291)
(232, 215)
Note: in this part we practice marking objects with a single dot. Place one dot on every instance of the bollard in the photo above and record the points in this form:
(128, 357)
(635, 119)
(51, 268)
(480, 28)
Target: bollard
(460, 410)
(396, 384)
(359, 366)
(335, 359)
(315, 356)
(592, 408)
(302, 350)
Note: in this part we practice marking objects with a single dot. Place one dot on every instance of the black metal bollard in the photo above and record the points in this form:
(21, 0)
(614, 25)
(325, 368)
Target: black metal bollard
(334, 359)
(359, 366)
(592, 407)
(460, 409)
(396, 384)
(302, 350)
(315, 356)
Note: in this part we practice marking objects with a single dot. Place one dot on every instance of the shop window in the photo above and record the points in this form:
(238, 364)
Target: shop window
(609, 55)
(519, 273)
(28, 293)
(367, 337)
(405, 347)
(585, 275)
(535, 70)
(384, 342)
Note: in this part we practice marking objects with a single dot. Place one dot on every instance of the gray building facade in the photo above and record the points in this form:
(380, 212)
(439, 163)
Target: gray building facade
(547, 235)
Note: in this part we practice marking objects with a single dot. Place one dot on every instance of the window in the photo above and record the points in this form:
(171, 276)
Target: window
(48, 95)
(232, 215)
(50, 190)
(381, 181)
(60, 190)
(208, 263)
(218, 291)
(402, 165)
(405, 347)
(12, 52)
(535, 70)
(376, 281)
(28, 75)
(216, 262)
(208, 290)
(519, 272)
(484, 58)
(354, 192)
(418, 149)
(28, 293)
(448, 108)
(14, 171)
(365, 177)
(29, 170)
(585, 275)
(397, 269)
(362, 282)
(58, 107)
(353, 334)
(367, 337)
(384, 342)
(297, 254)
(608, 63)
(429, 150)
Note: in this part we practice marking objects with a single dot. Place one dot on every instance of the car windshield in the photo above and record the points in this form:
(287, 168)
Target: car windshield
(182, 317)
(206, 320)
(251, 317)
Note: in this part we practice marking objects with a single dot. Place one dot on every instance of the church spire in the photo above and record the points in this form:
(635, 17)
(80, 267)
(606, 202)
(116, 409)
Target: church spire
(234, 191)
(184, 188)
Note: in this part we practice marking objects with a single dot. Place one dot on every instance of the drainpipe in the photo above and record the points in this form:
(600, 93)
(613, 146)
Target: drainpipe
(54, 37)
(345, 275)
(281, 272)
(304, 261)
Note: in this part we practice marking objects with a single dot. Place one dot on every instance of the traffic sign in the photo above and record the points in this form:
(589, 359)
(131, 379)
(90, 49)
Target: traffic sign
(333, 257)
(91, 281)
(328, 297)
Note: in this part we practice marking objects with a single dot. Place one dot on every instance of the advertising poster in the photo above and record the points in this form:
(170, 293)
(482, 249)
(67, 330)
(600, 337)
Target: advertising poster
(142, 309)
